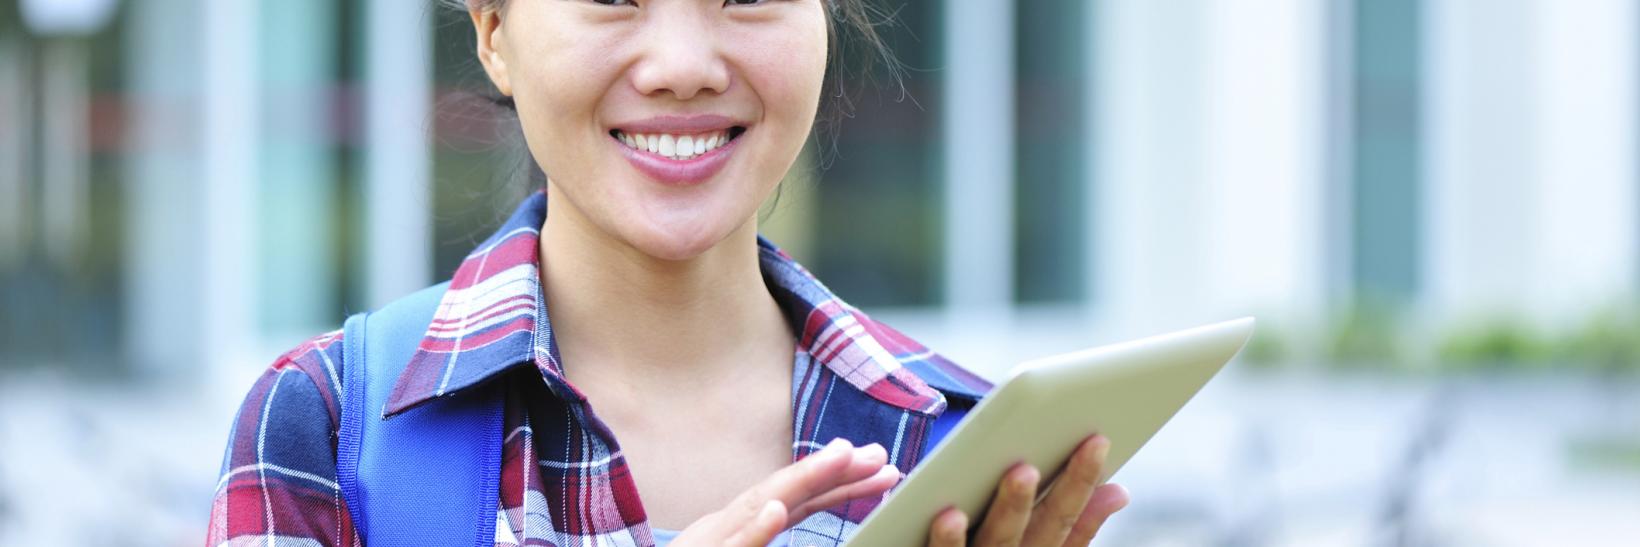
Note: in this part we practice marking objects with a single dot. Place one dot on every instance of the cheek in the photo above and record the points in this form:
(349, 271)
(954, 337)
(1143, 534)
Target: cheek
(557, 90)
(787, 68)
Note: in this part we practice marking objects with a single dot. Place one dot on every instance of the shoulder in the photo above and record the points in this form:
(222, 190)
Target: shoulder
(279, 467)
(303, 382)
(940, 373)
(296, 403)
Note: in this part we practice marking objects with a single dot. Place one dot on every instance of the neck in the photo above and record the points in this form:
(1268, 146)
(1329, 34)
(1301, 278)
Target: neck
(616, 310)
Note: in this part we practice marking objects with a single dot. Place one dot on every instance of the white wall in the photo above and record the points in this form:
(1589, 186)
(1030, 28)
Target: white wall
(1585, 182)
(1209, 182)
(1531, 175)
(1149, 175)
(398, 164)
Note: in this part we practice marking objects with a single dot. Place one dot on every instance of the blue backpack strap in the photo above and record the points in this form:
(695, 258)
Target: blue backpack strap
(942, 426)
(962, 390)
(427, 476)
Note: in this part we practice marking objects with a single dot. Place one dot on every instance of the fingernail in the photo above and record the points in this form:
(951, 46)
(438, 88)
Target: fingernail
(868, 449)
(1026, 478)
(836, 445)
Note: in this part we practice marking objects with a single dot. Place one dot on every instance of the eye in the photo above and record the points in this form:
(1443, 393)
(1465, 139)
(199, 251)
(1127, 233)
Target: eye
(615, 2)
(742, 2)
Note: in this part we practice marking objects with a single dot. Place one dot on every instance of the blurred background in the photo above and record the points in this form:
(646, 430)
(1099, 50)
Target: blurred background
(1433, 207)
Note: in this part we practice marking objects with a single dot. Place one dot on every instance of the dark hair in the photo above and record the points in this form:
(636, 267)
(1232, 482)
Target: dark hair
(851, 24)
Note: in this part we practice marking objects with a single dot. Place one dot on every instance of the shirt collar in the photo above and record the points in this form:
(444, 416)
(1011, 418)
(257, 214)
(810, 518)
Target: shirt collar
(493, 318)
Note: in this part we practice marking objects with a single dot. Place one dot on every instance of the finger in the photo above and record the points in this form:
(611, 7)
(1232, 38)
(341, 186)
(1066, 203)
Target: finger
(799, 481)
(762, 528)
(1051, 520)
(835, 465)
(949, 529)
(874, 486)
(1011, 508)
(868, 461)
(1106, 500)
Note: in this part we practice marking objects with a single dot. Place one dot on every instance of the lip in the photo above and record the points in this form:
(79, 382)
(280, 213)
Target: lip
(699, 123)
(679, 172)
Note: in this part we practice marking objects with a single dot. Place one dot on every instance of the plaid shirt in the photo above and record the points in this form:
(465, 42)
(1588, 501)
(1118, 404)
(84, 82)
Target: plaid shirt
(852, 378)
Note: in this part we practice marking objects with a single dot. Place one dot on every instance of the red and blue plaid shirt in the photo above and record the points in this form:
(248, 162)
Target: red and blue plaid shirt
(852, 378)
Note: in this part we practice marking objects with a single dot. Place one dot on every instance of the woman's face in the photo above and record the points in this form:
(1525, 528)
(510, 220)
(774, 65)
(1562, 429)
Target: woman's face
(662, 123)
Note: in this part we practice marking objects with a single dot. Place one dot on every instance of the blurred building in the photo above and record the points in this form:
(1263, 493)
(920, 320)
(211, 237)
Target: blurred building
(199, 184)
(189, 187)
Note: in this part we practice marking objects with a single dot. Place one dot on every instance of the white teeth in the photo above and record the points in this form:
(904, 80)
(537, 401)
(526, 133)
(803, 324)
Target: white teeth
(678, 147)
(686, 145)
(669, 145)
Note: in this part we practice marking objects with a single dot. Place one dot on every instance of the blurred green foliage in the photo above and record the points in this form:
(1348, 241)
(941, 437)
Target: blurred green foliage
(1605, 452)
(1369, 332)
(1269, 347)
(1494, 343)
(1379, 335)
(1610, 339)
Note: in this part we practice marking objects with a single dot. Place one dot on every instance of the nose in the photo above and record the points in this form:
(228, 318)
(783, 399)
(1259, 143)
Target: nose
(679, 53)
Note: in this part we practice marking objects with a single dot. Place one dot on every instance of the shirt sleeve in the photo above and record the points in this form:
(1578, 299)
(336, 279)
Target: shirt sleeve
(278, 480)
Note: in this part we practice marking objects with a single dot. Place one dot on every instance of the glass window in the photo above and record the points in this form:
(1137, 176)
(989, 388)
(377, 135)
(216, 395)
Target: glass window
(60, 271)
(1387, 161)
(878, 217)
(1052, 172)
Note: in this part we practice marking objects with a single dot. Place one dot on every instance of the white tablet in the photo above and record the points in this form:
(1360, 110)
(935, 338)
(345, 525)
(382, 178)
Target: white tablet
(1125, 391)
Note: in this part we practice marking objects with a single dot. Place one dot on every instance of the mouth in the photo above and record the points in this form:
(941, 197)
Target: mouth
(679, 155)
(678, 146)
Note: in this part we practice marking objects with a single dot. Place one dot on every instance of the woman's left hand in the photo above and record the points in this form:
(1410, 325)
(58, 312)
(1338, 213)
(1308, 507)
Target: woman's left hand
(1070, 515)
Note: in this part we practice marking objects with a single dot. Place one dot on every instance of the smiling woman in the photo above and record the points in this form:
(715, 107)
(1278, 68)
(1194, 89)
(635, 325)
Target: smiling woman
(751, 405)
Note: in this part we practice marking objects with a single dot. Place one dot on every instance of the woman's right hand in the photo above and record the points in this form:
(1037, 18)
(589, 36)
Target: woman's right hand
(1071, 513)
(838, 473)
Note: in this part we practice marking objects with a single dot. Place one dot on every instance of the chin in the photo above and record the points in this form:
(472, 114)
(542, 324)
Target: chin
(679, 241)
(675, 229)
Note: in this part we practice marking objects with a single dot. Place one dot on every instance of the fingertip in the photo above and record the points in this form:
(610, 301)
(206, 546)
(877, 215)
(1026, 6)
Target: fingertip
(1107, 499)
(879, 482)
(883, 470)
(949, 528)
(1100, 445)
(953, 522)
(838, 452)
(866, 459)
(1020, 482)
(1113, 497)
(1027, 475)
(885, 478)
